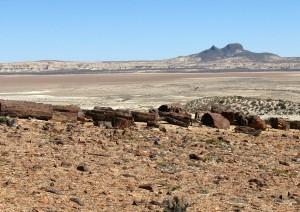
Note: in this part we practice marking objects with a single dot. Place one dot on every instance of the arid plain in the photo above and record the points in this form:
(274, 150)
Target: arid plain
(141, 91)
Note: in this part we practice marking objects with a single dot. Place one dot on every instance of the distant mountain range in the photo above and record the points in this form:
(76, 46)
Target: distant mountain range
(233, 57)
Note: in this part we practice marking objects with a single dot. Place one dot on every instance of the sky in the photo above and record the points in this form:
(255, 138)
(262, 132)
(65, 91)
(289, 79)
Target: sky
(101, 30)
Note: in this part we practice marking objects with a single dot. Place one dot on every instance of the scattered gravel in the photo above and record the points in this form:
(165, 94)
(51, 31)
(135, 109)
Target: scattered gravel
(248, 105)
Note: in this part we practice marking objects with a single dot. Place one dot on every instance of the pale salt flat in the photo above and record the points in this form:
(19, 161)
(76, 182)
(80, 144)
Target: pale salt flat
(142, 91)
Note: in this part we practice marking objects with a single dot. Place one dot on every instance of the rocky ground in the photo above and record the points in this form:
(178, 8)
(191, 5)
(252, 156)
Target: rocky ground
(50, 166)
(249, 105)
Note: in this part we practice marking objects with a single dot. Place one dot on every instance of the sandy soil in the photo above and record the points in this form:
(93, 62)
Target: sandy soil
(48, 166)
(138, 90)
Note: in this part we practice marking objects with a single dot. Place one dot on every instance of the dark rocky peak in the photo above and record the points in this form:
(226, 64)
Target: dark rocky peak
(234, 46)
(214, 48)
(230, 51)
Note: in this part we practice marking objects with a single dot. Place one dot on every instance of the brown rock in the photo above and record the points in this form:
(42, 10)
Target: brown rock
(82, 167)
(215, 120)
(148, 187)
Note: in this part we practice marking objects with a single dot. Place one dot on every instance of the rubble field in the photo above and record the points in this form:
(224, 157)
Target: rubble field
(54, 166)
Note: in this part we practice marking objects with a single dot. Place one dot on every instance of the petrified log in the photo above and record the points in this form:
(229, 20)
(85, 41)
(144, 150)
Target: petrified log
(295, 125)
(101, 114)
(215, 120)
(65, 113)
(256, 122)
(118, 118)
(180, 119)
(144, 117)
(279, 123)
(247, 130)
(176, 108)
(121, 123)
(23, 109)
(66, 108)
(234, 117)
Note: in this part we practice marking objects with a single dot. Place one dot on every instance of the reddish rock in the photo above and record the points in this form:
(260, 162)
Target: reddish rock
(256, 122)
(215, 120)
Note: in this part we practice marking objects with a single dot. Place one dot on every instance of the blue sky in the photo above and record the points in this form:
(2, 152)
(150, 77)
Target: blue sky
(143, 29)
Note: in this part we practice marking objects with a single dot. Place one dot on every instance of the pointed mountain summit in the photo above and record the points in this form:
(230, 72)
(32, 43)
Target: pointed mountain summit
(230, 51)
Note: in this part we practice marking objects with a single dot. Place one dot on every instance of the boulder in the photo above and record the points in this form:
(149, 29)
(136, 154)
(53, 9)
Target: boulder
(215, 120)
(256, 122)
(279, 123)
(24, 109)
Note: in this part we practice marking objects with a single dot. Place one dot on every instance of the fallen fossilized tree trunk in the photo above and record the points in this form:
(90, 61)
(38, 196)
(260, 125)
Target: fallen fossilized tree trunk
(180, 119)
(215, 120)
(65, 113)
(295, 125)
(23, 109)
(279, 123)
(118, 118)
(144, 117)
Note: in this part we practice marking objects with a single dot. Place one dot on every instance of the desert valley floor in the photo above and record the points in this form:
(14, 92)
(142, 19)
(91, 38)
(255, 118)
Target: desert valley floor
(140, 90)
(81, 165)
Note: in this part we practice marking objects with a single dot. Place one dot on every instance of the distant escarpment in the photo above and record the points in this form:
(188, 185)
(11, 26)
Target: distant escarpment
(232, 57)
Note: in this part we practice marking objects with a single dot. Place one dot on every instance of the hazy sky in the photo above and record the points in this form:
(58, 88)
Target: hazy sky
(143, 29)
